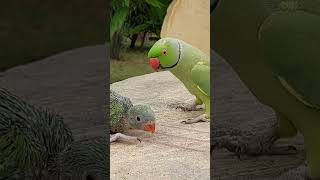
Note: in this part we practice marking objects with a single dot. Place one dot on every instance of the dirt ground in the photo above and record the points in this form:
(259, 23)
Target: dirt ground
(176, 150)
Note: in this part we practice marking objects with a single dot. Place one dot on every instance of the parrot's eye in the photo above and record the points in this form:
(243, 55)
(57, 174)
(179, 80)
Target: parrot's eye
(138, 118)
(164, 52)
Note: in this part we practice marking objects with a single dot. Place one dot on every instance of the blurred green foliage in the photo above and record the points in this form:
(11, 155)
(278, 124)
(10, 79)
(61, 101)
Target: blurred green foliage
(131, 17)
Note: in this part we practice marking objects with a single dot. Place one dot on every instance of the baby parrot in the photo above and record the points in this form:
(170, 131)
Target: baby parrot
(273, 45)
(124, 116)
(190, 65)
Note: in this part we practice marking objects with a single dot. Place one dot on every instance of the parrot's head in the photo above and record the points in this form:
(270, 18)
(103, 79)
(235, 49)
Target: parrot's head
(165, 54)
(142, 117)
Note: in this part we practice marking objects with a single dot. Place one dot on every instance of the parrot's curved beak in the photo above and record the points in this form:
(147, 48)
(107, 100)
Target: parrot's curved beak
(150, 127)
(155, 64)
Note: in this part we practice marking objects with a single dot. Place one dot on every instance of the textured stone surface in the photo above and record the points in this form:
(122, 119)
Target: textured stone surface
(176, 150)
(71, 83)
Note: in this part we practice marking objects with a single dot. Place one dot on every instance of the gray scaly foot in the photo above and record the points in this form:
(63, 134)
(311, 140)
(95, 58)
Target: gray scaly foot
(299, 173)
(250, 144)
(189, 107)
(119, 136)
(201, 118)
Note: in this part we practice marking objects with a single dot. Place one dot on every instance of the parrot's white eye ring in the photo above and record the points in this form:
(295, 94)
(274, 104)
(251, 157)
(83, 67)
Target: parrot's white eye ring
(164, 52)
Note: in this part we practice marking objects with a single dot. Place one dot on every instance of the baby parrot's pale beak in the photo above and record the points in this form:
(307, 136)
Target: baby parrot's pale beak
(154, 63)
(150, 127)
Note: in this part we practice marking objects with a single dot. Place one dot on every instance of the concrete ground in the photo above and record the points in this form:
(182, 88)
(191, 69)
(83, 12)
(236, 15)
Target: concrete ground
(176, 150)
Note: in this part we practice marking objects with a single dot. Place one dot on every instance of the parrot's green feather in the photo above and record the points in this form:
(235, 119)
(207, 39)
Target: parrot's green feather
(287, 55)
(33, 140)
(81, 158)
(119, 108)
(125, 116)
(274, 48)
(200, 74)
(188, 63)
(294, 92)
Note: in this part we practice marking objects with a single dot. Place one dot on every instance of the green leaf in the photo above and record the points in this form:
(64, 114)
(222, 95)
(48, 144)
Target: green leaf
(118, 19)
(137, 29)
(127, 3)
(155, 3)
(117, 4)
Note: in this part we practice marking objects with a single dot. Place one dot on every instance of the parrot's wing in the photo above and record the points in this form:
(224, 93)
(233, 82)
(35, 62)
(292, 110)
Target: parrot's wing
(200, 75)
(29, 136)
(82, 157)
(119, 107)
(290, 42)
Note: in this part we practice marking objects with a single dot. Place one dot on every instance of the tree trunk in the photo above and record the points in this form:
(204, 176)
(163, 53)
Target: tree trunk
(116, 46)
(143, 39)
(133, 41)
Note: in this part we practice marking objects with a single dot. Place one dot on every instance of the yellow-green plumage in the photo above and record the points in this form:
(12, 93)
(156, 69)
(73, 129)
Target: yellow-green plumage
(189, 64)
(274, 48)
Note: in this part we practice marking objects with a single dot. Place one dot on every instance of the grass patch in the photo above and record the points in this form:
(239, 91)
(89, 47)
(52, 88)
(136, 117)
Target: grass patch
(132, 63)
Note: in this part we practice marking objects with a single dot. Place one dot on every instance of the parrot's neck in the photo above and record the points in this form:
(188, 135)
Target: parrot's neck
(190, 56)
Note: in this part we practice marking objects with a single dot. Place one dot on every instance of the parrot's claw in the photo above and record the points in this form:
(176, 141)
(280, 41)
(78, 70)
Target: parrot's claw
(298, 173)
(189, 107)
(119, 136)
(201, 118)
(244, 144)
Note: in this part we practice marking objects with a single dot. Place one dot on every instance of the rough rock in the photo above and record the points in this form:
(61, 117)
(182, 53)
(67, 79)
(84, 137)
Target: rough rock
(71, 83)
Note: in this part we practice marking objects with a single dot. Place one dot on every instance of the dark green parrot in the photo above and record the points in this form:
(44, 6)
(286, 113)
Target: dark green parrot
(274, 46)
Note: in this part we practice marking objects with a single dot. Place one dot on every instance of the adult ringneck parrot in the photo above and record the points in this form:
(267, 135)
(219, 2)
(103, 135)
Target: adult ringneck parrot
(190, 65)
(273, 45)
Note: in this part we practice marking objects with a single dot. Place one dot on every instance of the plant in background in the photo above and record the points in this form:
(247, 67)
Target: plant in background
(130, 18)
(120, 10)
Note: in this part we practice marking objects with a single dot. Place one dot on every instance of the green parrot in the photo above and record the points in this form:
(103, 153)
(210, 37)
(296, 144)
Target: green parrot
(190, 65)
(273, 45)
(35, 143)
(124, 116)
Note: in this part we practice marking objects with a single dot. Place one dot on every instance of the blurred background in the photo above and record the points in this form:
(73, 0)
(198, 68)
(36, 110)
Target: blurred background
(135, 26)
(35, 29)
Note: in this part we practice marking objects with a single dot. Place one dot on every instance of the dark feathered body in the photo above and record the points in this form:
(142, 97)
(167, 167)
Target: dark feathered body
(30, 137)
(35, 144)
(119, 109)
(83, 158)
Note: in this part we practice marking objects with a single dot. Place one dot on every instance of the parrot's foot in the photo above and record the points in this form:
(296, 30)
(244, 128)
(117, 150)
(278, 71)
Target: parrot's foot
(189, 107)
(299, 173)
(119, 136)
(249, 144)
(201, 118)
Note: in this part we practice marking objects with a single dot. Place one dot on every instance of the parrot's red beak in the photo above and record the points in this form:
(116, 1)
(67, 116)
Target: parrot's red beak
(150, 127)
(154, 63)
